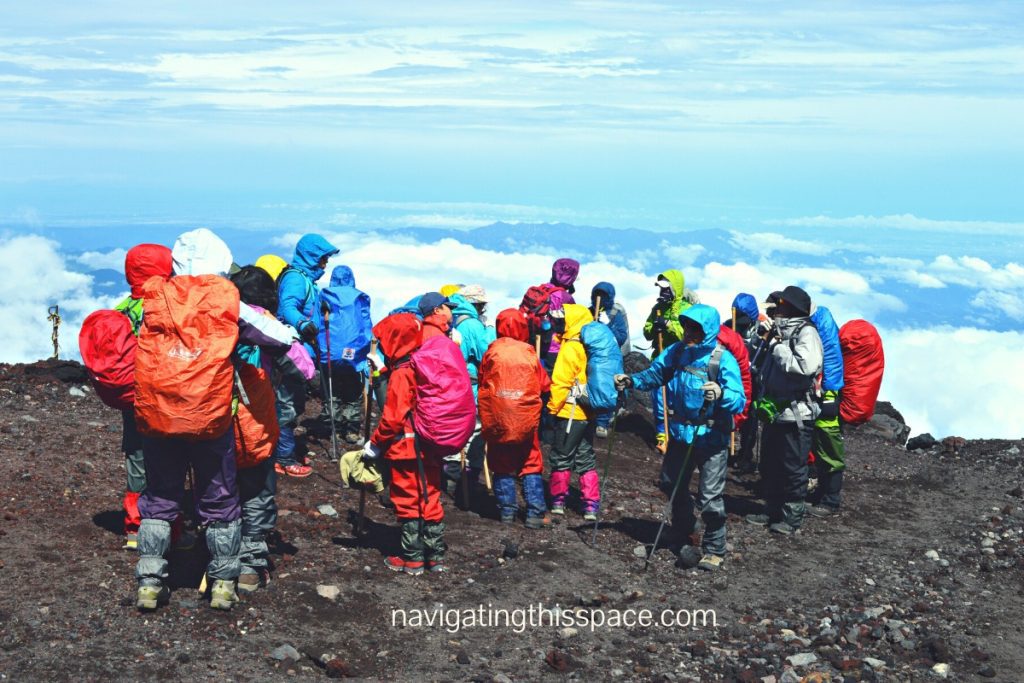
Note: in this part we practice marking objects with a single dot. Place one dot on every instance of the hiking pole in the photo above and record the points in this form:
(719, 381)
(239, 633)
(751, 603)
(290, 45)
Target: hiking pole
(325, 308)
(572, 415)
(664, 400)
(366, 437)
(668, 506)
(54, 317)
(487, 473)
(597, 306)
(464, 477)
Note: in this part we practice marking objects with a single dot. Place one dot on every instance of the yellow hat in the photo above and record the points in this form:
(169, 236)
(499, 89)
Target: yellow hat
(272, 264)
(448, 290)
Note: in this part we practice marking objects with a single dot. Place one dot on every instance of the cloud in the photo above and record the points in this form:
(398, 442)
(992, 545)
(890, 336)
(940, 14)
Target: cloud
(96, 260)
(767, 243)
(906, 221)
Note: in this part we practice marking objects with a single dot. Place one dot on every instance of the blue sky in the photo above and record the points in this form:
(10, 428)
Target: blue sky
(625, 114)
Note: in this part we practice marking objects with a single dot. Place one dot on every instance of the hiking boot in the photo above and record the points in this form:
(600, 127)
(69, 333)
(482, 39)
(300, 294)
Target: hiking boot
(508, 518)
(222, 594)
(252, 582)
(398, 564)
(710, 563)
(822, 511)
(294, 470)
(782, 528)
(131, 541)
(590, 515)
(436, 566)
(538, 522)
(558, 509)
(601, 432)
(151, 595)
(758, 519)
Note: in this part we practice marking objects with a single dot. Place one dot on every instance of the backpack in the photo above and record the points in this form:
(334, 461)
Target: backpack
(184, 376)
(445, 413)
(604, 361)
(108, 345)
(256, 427)
(832, 363)
(350, 326)
(863, 367)
(536, 304)
(509, 392)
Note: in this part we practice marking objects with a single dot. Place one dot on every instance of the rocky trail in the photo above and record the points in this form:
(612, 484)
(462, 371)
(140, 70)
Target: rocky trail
(920, 578)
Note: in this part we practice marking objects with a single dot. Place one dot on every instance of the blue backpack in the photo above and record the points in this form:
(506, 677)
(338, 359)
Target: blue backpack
(410, 306)
(832, 370)
(604, 361)
(350, 326)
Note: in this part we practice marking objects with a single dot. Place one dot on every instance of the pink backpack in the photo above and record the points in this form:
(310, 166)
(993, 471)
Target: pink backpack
(445, 413)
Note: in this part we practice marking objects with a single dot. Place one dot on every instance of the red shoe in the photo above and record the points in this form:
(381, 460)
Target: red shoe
(398, 564)
(294, 470)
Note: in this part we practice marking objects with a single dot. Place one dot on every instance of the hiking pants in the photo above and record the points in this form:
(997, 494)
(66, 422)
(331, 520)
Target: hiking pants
(573, 451)
(748, 439)
(135, 468)
(291, 404)
(533, 492)
(257, 487)
(407, 490)
(347, 399)
(784, 450)
(216, 495)
(713, 464)
(423, 541)
(830, 461)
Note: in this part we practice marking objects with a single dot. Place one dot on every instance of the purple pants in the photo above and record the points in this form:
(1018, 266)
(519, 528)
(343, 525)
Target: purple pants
(213, 463)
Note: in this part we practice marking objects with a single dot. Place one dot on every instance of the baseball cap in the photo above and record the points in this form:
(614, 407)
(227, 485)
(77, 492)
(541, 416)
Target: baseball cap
(431, 300)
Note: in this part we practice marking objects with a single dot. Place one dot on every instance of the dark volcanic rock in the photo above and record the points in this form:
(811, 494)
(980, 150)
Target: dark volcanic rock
(922, 442)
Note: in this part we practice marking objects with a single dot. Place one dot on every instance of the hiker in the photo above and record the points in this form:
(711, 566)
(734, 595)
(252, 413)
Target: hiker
(663, 326)
(406, 443)
(788, 409)
(349, 342)
(827, 444)
(609, 312)
(436, 311)
(704, 400)
(190, 330)
(573, 446)
(736, 345)
(747, 317)
(541, 301)
(257, 430)
(512, 381)
(298, 301)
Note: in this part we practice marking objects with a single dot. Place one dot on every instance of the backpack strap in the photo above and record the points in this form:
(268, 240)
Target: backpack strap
(461, 319)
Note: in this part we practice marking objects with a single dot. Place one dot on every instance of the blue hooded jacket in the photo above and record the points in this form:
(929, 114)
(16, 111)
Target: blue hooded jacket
(297, 288)
(684, 370)
(832, 371)
(617, 321)
(475, 336)
(747, 305)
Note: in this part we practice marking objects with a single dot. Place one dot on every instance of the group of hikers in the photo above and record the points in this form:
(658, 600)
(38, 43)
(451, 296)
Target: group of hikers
(210, 364)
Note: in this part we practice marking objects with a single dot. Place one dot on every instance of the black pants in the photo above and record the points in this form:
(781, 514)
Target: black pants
(784, 451)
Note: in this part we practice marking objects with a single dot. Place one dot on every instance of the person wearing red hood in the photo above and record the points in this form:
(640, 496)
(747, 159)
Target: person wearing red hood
(422, 521)
(141, 263)
(524, 459)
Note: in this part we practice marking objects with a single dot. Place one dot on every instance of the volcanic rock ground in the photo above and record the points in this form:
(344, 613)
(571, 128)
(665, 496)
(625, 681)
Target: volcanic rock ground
(924, 567)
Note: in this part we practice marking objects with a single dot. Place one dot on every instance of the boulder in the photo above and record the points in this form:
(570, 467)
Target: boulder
(888, 428)
(922, 442)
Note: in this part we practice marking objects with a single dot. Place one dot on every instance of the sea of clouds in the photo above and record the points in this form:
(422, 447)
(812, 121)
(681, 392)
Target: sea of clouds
(945, 379)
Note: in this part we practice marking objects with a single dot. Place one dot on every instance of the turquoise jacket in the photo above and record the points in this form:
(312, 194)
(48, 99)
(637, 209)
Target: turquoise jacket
(476, 337)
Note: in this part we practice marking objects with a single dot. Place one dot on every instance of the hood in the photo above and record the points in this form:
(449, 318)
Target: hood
(448, 290)
(512, 323)
(677, 281)
(144, 261)
(709, 321)
(747, 305)
(462, 307)
(272, 264)
(342, 276)
(200, 252)
(564, 272)
(576, 317)
(399, 335)
(608, 300)
(559, 298)
(309, 251)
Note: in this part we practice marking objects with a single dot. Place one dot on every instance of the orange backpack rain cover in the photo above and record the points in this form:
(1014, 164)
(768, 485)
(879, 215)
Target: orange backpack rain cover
(184, 377)
(256, 428)
(509, 392)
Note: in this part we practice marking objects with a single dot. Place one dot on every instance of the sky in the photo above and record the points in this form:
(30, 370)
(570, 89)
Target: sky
(869, 151)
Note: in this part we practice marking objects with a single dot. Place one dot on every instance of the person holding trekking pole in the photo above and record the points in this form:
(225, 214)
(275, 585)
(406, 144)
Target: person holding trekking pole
(662, 329)
(704, 392)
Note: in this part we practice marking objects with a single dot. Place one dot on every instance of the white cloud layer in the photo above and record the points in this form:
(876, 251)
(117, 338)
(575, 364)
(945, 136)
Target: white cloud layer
(905, 221)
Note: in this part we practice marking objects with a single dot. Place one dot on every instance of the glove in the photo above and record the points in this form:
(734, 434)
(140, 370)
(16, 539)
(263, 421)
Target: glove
(370, 451)
(712, 391)
(766, 329)
(659, 325)
(375, 362)
(575, 391)
(623, 382)
(309, 332)
(602, 317)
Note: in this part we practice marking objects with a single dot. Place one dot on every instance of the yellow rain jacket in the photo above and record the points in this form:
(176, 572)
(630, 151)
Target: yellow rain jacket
(570, 365)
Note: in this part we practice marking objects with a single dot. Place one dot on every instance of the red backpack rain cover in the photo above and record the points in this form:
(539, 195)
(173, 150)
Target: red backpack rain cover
(445, 413)
(108, 346)
(863, 366)
(256, 427)
(509, 392)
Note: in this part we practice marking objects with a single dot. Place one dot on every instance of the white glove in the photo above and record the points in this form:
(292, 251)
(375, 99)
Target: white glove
(370, 451)
(602, 317)
(376, 364)
(712, 391)
(575, 391)
(623, 382)
(766, 329)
